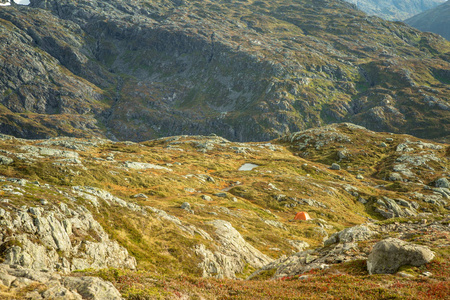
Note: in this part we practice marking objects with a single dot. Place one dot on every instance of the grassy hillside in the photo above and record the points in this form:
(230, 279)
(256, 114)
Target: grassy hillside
(137, 191)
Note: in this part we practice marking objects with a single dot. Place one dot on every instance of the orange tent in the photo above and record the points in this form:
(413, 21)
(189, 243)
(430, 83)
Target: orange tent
(302, 216)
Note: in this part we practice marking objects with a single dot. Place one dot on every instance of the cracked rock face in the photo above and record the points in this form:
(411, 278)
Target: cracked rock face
(54, 286)
(60, 239)
(390, 208)
(232, 255)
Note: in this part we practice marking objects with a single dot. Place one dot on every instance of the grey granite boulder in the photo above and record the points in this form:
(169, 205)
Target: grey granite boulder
(390, 254)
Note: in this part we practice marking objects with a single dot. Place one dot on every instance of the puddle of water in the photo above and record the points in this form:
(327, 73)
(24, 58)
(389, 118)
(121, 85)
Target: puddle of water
(247, 167)
(21, 2)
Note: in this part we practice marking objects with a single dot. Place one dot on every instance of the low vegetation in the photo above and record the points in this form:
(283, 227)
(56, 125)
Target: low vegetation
(293, 174)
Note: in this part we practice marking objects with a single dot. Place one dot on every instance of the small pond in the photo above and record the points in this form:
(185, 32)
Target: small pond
(21, 2)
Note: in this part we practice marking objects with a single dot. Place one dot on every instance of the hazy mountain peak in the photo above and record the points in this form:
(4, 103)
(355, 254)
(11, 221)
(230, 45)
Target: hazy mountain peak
(395, 9)
(435, 20)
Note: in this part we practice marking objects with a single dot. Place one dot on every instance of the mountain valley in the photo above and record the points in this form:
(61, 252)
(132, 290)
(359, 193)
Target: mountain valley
(222, 149)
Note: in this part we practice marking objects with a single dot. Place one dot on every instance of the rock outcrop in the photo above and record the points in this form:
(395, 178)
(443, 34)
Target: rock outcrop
(53, 286)
(59, 238)
(232, 255)
(390, 208)
(352, 234)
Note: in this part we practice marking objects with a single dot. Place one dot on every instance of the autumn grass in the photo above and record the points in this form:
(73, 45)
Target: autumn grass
(355, 283)
(161, 247)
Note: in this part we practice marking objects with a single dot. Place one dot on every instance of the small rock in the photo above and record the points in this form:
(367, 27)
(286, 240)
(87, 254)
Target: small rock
(335, 166)
(362, 200)
(280, 197)
(383, 145)
(140, 196)
(395, 177)
(221, 195)
(427, 274)
(359, 176)
(273, 187)
(442, 182)
(389, 139)
(186, 206)
(343, 154)
(405, 275)
(206, 198)
(4, 160)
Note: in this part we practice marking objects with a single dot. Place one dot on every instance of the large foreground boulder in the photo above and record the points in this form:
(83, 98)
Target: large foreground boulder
(390, 254)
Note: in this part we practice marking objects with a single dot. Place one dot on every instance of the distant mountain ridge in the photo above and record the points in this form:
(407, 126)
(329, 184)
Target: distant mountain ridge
(395, 10)
(245, 70)
(436, 20)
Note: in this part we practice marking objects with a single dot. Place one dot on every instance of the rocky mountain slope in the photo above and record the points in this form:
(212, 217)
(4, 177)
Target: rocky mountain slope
(186, 216)
(395, 10)
(436, 20)
(245, 70)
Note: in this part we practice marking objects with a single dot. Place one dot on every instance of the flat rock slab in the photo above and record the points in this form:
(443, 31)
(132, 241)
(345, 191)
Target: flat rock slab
(247, 167)
(144, 166)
